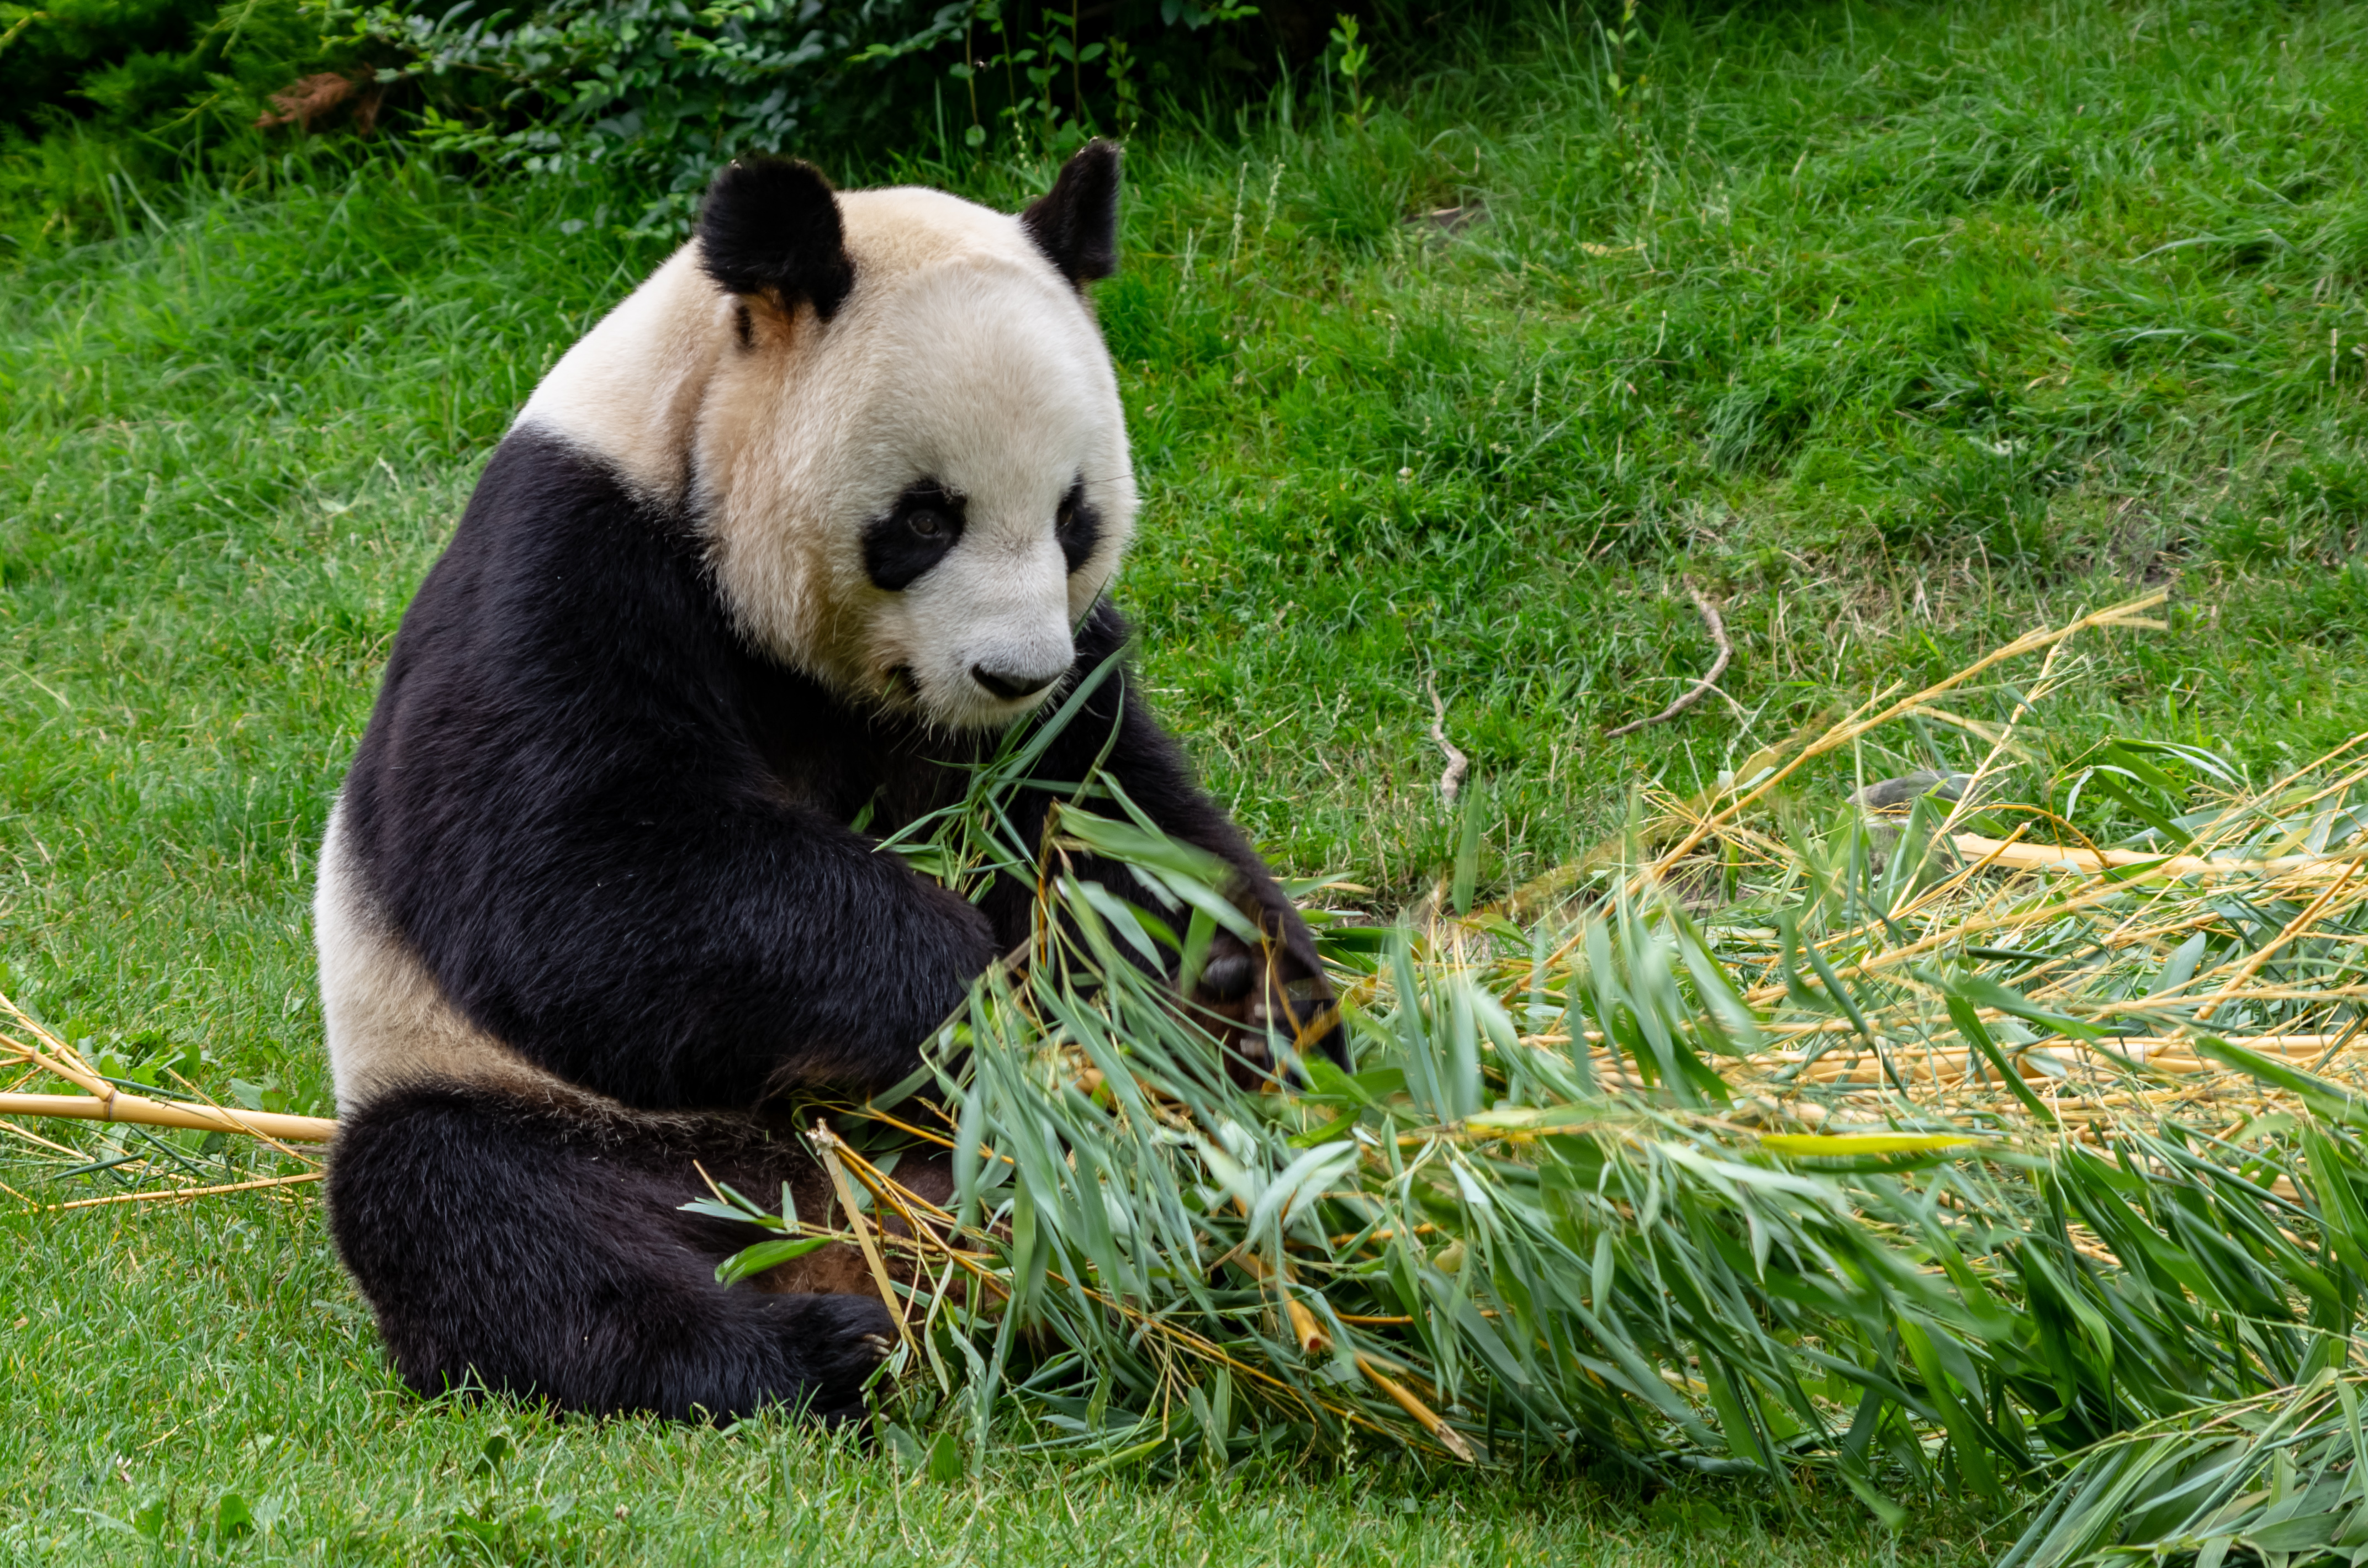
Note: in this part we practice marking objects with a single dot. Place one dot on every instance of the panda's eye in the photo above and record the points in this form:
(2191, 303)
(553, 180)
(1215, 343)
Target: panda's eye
(1078, 527)
(901, 545)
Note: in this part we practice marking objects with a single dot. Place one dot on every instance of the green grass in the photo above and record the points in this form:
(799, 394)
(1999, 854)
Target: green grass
(1896, 328)
(178, 1358)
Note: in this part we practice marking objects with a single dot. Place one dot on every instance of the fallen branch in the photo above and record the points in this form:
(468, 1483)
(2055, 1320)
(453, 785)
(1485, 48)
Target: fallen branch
(1700, 687)
(1450, 781)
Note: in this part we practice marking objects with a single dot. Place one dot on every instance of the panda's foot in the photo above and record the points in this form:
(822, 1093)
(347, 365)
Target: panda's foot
(837, 1343)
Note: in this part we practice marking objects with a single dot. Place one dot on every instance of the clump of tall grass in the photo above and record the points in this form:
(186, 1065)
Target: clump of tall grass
(1912, 1152)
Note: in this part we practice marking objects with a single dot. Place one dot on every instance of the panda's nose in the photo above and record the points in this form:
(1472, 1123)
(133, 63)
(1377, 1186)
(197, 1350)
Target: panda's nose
(1012, 685)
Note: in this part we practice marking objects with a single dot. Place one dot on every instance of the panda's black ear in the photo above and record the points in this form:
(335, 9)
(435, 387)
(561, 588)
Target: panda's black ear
(770, 226)
(1075, 222)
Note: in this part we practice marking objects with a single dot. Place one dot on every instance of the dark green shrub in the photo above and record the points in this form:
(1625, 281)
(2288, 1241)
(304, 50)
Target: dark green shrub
(663, 90)
(650, 95)
(99, 99)
(149, 66)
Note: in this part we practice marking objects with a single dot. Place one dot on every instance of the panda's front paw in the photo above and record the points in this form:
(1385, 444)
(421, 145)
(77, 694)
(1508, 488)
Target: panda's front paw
(1264, 1003)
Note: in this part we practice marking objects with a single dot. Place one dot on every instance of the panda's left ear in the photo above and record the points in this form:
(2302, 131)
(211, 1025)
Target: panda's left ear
(1075, 222)
(769, 226)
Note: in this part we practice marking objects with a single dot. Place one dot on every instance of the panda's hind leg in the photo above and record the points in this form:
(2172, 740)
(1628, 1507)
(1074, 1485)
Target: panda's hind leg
(541, 1249)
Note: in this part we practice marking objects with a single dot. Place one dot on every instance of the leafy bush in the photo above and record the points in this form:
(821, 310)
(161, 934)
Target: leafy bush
(666, 90)
(98, 97)
(156, 67)
(654, 93)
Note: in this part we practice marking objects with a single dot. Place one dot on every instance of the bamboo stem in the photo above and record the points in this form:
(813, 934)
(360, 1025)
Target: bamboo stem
(1425, 1417)
(142, 1111)
(63, 1059)
(52, 1144)
(2047, 857)
(826, 1143)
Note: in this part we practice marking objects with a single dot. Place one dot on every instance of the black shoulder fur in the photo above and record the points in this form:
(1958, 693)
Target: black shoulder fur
(617, 837)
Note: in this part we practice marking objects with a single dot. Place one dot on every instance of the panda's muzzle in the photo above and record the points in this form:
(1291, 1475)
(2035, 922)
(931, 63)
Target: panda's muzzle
(1012, 686)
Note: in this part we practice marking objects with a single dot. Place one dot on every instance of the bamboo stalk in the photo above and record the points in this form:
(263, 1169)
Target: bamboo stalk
(1425, 1417)
(63, 1064)
(826, 1143)
(2089, 863)
(52, 1144)
(142, 1111)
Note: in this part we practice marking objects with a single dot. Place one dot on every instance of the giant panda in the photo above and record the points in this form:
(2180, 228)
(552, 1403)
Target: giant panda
(829, 501)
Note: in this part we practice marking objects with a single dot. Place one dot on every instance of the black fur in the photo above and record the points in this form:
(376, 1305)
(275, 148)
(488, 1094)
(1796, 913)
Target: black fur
(1075, 222)
(617, 837)
(542, 1253)
(1079, 528)
(919, 531)
(618, 840)
(771, 226)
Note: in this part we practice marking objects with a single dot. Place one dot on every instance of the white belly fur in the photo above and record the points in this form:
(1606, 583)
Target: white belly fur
(388, 1023)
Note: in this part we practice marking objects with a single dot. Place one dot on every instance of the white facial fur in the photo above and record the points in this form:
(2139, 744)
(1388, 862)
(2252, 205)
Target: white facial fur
(960, 357)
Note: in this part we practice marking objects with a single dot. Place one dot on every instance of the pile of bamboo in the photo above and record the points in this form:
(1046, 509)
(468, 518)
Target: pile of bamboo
(1923, 1148)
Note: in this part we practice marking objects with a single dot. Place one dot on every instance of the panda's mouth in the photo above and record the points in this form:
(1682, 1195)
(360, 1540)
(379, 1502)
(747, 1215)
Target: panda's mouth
(901, 682)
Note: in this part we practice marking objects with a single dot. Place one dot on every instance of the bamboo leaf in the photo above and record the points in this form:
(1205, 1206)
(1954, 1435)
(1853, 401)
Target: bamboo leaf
(757, 1260)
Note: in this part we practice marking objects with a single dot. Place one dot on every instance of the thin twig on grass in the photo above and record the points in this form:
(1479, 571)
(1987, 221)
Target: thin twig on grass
(1700, 687)
(167, 1193)
(1450, 781)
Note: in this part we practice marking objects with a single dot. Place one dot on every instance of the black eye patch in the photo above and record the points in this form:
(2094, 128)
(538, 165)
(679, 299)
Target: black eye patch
(1077, 526)
(926, 523)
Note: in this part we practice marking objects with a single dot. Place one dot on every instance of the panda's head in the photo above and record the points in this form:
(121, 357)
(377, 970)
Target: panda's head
(911, 459)
(891, 415)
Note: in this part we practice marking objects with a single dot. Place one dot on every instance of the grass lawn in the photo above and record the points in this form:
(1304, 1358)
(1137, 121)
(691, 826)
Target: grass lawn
(1893, 328)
